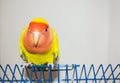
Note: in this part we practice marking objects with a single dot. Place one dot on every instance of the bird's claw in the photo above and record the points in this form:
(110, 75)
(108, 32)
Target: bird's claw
(49, 65)
(28, 64)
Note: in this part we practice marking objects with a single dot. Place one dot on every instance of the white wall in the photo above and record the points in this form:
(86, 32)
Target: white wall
(114, 35)
(88, 30)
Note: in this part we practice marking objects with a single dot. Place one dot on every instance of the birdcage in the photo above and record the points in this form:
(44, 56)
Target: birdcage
(64, 73)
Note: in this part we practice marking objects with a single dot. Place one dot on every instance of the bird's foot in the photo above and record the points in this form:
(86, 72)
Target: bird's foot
(49, 65)
(28, 64)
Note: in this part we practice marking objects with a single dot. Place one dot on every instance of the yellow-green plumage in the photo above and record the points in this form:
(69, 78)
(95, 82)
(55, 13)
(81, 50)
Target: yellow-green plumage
(40, 59)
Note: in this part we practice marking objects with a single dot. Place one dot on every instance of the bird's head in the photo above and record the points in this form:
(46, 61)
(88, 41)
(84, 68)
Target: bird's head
(38, 37)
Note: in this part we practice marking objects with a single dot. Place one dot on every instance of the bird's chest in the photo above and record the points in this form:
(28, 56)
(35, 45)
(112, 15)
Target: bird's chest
(40, 58)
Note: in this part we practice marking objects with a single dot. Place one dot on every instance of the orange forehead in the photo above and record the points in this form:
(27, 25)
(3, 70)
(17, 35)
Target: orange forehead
(37, 26)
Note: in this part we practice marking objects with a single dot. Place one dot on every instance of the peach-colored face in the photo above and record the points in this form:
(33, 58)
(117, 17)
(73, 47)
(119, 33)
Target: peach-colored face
(38, 38)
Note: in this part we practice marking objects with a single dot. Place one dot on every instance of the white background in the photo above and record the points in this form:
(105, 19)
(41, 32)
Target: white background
(88, 30)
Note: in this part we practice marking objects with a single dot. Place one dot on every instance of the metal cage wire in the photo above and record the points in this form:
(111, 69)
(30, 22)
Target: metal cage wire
(65, 74)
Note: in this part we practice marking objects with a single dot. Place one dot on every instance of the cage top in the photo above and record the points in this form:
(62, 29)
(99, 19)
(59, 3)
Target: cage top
(64, 73)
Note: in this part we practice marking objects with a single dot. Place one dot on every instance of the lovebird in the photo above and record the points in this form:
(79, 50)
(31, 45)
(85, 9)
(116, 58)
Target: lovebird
(39, 43)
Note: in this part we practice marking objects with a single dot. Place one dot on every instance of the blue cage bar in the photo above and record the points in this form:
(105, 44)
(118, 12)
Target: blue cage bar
(64, 74)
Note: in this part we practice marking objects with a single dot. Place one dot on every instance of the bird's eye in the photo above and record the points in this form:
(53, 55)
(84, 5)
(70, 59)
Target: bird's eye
(46, 29)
